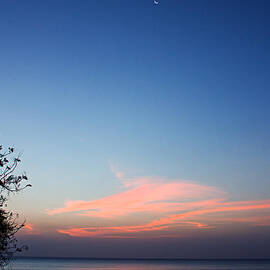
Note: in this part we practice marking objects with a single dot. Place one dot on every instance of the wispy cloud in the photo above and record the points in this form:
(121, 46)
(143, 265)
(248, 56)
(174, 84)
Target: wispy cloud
(29, 228)
(175, 204)
(152, 196)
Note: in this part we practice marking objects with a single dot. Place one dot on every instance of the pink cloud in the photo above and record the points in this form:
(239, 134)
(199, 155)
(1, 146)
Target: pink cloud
(151, 196)
(175, 220)
(175, 204)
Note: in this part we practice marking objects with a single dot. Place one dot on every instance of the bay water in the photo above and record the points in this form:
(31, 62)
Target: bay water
(117, 264)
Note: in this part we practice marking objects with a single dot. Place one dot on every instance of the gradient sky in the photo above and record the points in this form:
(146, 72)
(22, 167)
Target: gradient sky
(144, 128)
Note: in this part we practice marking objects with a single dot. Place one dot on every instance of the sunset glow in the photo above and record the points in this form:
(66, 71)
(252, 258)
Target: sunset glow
(178, 204)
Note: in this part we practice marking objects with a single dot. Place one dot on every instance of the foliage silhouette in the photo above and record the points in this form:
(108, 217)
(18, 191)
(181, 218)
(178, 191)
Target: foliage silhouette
(9, 225)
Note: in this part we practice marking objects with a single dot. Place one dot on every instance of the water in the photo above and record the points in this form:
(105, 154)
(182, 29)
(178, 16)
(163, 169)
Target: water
(83, 264)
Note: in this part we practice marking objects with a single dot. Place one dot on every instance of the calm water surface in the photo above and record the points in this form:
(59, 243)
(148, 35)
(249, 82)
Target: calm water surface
(83, 264)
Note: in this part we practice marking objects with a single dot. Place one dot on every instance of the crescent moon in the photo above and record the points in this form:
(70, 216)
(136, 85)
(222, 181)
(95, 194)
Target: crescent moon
(156, 2)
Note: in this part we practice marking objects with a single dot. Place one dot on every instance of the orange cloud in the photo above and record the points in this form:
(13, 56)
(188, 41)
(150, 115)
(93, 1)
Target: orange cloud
(29, 228)
(175, 204)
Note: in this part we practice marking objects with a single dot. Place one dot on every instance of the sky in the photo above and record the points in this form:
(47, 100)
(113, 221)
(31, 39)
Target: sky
(143, 127)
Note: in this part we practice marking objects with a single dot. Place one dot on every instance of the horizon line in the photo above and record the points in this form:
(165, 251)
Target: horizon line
(140, 258)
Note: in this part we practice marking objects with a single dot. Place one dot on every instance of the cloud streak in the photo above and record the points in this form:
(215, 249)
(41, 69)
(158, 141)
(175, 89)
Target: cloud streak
(174, 204)
(29, 228)
(152, 196)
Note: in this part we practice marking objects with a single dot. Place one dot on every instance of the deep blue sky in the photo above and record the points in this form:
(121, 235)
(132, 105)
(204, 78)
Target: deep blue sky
(178, 90)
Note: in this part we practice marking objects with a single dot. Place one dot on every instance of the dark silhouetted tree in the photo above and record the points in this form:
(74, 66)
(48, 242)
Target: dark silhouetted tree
(9, 225)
